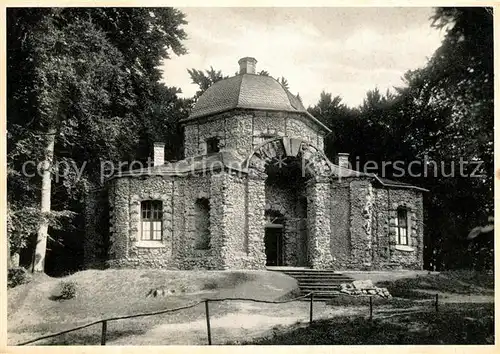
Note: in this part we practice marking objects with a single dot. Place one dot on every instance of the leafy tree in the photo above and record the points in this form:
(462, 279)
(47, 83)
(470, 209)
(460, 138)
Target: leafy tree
(283, 82)
(445, 114)
(66, 69)
(205, 79)
(458, 80)
(342, 120)
(81, 88)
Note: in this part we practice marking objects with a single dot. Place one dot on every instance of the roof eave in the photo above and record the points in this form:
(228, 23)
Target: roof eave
(309, 115)
(404, 186)
(173, 173)
(317, 121)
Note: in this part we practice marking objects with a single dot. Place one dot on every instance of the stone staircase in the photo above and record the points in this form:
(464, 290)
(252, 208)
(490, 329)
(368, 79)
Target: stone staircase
(324, 283)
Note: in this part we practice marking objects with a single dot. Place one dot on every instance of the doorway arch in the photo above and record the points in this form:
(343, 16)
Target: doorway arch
(293, 171)
(276, 151)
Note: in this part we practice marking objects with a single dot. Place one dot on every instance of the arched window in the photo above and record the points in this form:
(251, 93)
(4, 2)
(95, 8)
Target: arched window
(402, 226)
(202, 222)
(151, 220)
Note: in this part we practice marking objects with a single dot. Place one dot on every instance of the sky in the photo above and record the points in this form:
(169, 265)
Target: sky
(344, 51)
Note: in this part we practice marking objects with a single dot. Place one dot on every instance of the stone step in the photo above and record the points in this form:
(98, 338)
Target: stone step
(338, 279)
(336, 276)
(322, 293)
(326, 279)
(325, 284)
(309, 271)
(304, 271)
(335, 287)
(318, 286)
(313, 272)
(319, 282)
(317, 275)
(302, 285)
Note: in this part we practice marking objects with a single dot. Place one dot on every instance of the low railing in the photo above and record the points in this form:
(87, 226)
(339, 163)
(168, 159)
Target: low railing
(104, 322)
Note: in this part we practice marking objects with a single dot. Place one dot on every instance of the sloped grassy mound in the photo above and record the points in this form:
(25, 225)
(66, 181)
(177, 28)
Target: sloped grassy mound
(455, 282)
(36, 309)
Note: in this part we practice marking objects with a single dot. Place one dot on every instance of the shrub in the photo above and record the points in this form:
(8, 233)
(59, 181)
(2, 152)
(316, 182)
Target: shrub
(68, 290)
(211, 285)
(17, 276)
(183, 288)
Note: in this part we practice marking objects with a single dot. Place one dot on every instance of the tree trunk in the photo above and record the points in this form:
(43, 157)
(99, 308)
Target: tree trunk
(41, 239)
(9, 260)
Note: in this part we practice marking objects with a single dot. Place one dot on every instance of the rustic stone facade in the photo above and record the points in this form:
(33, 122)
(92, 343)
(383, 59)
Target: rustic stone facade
(268, 195)
(242, 130)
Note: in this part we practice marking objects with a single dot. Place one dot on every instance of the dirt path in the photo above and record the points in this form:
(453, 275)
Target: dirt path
(252, 320)
(248, 320)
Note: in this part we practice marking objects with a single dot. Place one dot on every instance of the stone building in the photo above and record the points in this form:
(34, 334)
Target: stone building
(254, 189)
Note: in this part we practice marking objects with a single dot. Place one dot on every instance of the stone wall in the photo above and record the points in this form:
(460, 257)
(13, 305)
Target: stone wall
(387, 253)
(96, 239)
(340, 241)
(318, 224)
(241, 131)
(187, 255)
(351, 224)
(255, 187)
(233, 220)
(179, 235)
(128, 250)
(191, 143)
(119, 198)
(361, 215)
(300, 127)
(363, 226)
(239, 221)
(236, 222)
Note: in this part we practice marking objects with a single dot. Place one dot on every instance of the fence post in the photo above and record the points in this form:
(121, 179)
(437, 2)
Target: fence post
(311, 308)
(103, 333)
(436, 304)
(371, 308)
(208, 323)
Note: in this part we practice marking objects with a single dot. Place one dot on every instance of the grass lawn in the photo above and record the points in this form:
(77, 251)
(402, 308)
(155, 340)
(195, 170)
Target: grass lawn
(451, 282)
(453, 324)
(34, 311)
(408, 318)
(465, 316)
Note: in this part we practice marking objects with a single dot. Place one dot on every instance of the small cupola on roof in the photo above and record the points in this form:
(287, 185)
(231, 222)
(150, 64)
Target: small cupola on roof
(247, 65)
(248, 91)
